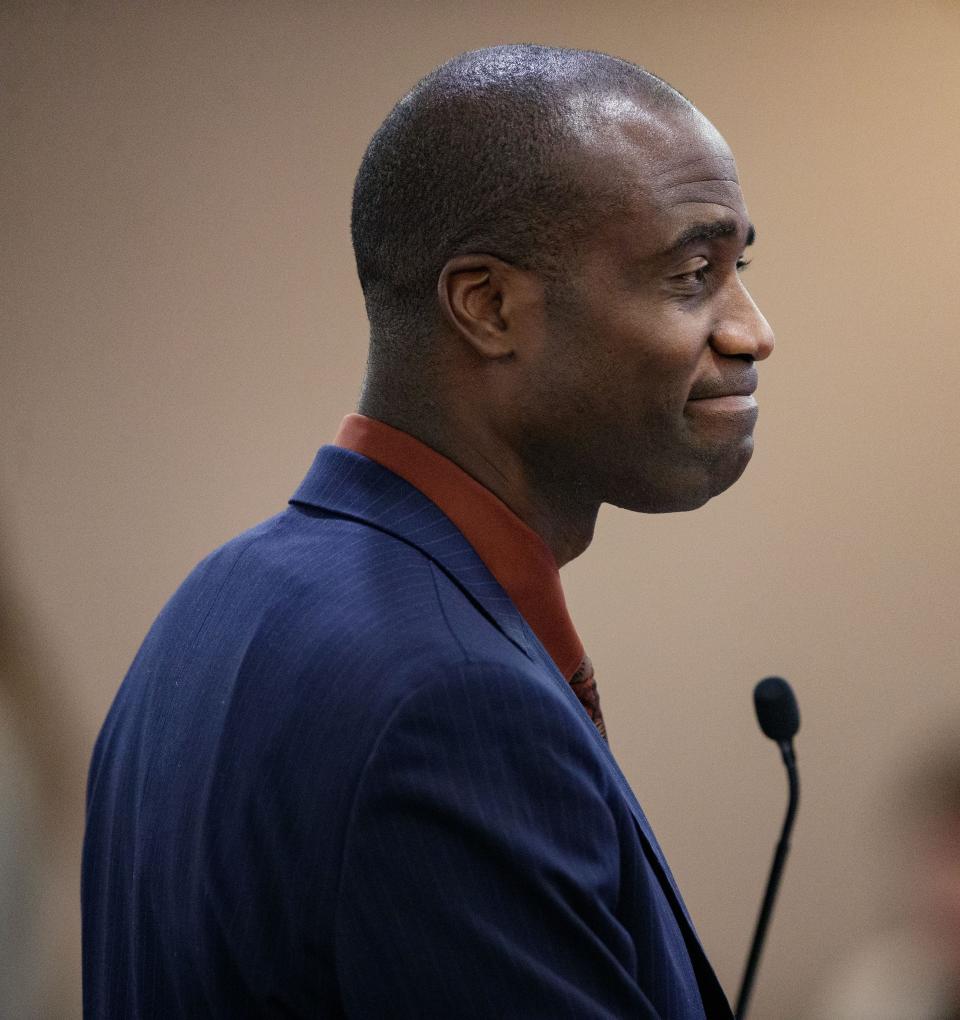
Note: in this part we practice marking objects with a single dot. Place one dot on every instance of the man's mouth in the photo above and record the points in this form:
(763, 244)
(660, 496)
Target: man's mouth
(729, 400)
(740, 388)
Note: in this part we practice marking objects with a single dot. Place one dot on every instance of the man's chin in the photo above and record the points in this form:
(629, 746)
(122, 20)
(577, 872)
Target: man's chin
(692, 488)
(733, 467)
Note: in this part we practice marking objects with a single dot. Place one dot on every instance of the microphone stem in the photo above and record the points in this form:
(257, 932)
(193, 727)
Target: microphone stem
(773, 882)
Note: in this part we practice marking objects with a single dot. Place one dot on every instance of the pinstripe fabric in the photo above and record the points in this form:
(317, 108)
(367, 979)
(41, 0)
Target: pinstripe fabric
(308, 800)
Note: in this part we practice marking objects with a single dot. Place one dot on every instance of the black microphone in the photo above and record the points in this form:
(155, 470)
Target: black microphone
(779, 719)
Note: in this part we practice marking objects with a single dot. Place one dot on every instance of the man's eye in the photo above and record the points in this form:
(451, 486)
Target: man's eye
(698, 277)
(694, 276)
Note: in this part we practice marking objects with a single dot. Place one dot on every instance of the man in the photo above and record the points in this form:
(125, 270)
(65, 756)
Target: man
(350, 772)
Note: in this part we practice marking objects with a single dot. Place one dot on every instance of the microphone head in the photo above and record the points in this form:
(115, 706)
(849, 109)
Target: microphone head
(777, 710)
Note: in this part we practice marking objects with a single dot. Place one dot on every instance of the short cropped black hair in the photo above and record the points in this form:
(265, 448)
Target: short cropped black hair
(478, 157)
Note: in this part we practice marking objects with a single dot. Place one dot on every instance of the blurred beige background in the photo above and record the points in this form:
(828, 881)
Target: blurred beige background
(181, 328)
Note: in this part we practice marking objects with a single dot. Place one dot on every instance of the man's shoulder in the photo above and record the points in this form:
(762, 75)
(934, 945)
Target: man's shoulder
(310, 562)
(304, 594)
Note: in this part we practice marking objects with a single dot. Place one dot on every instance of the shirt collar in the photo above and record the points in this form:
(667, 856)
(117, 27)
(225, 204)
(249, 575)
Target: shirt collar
(515, 554)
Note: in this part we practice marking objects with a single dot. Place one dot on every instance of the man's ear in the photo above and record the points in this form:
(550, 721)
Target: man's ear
(487, 302)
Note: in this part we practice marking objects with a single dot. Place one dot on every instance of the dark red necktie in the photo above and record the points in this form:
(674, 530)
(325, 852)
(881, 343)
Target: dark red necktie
(584, 685)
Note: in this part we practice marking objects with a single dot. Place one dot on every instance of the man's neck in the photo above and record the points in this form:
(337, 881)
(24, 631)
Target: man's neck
(564, 525)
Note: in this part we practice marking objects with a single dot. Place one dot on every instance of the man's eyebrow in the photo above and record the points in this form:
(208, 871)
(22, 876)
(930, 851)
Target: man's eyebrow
(708, 232)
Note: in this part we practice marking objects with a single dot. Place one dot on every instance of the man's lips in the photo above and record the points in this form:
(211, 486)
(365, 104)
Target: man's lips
(726, 396)
(722, 389)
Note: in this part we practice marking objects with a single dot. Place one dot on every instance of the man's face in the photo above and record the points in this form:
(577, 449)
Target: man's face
(641, 394)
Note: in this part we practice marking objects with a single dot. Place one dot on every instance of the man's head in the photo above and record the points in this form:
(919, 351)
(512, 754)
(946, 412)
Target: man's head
(549, 243)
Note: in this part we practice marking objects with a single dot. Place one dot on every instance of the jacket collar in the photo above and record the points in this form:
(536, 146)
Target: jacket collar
(346, 483)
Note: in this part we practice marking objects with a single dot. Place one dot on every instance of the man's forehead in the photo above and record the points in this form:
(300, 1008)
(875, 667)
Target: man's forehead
(703, 189)
(673, 156)
(661, 161)
(709, 184)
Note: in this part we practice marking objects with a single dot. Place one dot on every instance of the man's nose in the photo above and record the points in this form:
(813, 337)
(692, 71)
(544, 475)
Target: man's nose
(741, 330)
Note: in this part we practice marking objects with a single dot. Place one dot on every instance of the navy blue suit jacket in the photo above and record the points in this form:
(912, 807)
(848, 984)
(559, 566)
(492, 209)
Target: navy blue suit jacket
(343, 778)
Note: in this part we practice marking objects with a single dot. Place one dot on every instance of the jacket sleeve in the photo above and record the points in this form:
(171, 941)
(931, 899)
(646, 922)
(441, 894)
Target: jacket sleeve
(481, 869)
